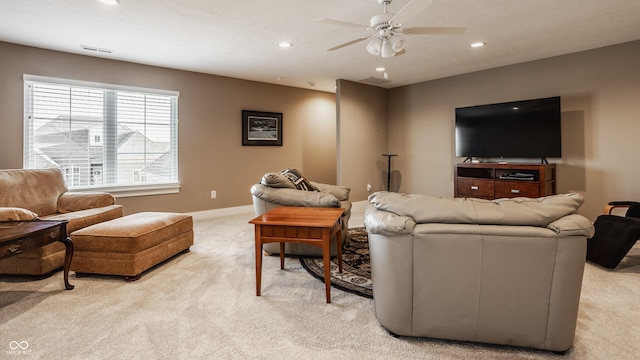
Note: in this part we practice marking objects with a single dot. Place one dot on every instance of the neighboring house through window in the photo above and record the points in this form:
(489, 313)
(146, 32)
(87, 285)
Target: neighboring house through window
(114, 138)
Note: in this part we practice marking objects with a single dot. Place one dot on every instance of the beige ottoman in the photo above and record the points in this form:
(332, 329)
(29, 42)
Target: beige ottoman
(131, 244)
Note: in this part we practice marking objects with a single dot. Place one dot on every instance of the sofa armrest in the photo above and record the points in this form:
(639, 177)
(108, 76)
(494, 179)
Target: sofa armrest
(76, 201)
(340, 192)
(387, 223)
(572, 225)
(294, 197)
(16, 214)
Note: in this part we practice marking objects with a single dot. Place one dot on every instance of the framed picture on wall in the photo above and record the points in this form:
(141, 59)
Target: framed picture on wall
(261, 128)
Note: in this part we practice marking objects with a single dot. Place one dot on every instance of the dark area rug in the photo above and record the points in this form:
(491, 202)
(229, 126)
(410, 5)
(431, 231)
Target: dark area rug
(356, 270)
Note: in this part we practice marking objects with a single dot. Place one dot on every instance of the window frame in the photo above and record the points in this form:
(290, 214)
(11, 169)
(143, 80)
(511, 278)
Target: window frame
(126, 190)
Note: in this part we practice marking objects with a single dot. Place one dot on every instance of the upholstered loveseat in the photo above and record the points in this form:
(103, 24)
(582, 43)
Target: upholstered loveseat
(506, 271)
(42, 194)
(290, 188)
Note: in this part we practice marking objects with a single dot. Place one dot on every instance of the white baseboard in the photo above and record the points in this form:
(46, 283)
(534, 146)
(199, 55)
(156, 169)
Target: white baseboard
(206, 214)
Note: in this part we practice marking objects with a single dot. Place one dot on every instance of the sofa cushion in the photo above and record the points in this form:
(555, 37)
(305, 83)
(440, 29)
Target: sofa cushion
(572, 225)
(276, 180)
(340, 192)
(83, 218)
(387, 223)
(33, 189)
(516, 211)
(16, 214)
(294, 197)
(76, 201)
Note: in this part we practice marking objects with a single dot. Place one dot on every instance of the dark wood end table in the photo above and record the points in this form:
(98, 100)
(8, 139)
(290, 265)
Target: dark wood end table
(17, 237)
(304, 225)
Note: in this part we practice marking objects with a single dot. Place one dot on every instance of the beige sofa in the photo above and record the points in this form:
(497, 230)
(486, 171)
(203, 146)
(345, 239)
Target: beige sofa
(276, 189)
(42, 193)
(507, 271)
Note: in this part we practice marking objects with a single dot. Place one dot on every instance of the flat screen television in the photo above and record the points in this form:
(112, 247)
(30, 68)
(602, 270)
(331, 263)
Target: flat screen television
(517, 129)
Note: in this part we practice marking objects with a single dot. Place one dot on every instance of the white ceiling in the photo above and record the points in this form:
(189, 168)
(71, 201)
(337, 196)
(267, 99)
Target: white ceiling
(238, 38)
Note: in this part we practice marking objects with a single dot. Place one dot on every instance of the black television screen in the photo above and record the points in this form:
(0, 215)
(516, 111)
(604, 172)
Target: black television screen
(517, 129)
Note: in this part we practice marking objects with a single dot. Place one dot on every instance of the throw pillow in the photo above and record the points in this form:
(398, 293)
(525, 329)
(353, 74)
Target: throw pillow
(16, 214)
(299, 181)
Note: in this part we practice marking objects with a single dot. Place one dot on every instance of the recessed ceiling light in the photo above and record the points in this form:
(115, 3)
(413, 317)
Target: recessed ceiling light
(110, 2)
(478, 44)
(285, 44)
(381, 68)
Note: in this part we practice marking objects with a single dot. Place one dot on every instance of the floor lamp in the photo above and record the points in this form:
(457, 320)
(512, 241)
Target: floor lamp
(389, 169)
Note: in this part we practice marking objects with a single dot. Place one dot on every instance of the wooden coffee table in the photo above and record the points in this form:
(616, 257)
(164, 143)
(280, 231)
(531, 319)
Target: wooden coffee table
(304, 225)
(17, 237)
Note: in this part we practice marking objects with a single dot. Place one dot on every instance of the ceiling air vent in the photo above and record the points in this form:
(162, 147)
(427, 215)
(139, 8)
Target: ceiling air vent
(96, 49)
(374, 81)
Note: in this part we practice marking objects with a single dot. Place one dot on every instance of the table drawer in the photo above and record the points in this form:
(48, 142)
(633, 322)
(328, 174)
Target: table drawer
(510, 189)
(29, 243)
(476, 188)
(8, 250)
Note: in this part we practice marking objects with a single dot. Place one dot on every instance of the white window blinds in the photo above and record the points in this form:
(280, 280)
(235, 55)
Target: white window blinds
(101, 135)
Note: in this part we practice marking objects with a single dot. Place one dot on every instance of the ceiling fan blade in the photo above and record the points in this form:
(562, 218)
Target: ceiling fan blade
(344, 23)
(434, 30)
(348, 43)
(413, 8)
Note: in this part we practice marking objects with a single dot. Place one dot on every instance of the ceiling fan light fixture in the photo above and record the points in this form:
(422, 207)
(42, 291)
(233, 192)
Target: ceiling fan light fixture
(387, 49)
(374, 46)
(397, 43)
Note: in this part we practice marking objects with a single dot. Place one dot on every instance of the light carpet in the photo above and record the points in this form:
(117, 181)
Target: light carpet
(202, 305)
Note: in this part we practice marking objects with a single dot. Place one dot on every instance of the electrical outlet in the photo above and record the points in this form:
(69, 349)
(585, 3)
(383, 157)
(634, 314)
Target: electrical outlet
(213, 194)
(369, 187)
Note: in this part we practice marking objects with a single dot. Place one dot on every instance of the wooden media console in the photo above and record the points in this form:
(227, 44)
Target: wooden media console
(494, 181)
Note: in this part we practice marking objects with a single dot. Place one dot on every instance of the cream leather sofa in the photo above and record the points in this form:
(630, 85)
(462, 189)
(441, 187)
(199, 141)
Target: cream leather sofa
(42, 193)
(276, 190)
(507, 271)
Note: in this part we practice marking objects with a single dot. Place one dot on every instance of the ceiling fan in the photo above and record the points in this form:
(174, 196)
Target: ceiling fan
(385, 41)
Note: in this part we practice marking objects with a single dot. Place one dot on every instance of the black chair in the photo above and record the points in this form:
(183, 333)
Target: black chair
(614, 235)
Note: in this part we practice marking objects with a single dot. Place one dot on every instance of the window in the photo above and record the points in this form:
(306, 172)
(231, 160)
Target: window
(118, 139)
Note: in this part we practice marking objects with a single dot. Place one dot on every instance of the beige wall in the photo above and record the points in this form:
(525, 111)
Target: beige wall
(210, 152)
(362, 137)
(599, 89)
(600, 92)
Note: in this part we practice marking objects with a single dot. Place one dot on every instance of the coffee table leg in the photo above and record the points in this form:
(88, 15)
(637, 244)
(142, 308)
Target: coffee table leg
(339, 246)
(258, 259)
(326, 257)
(282, 256)
(68, 256)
